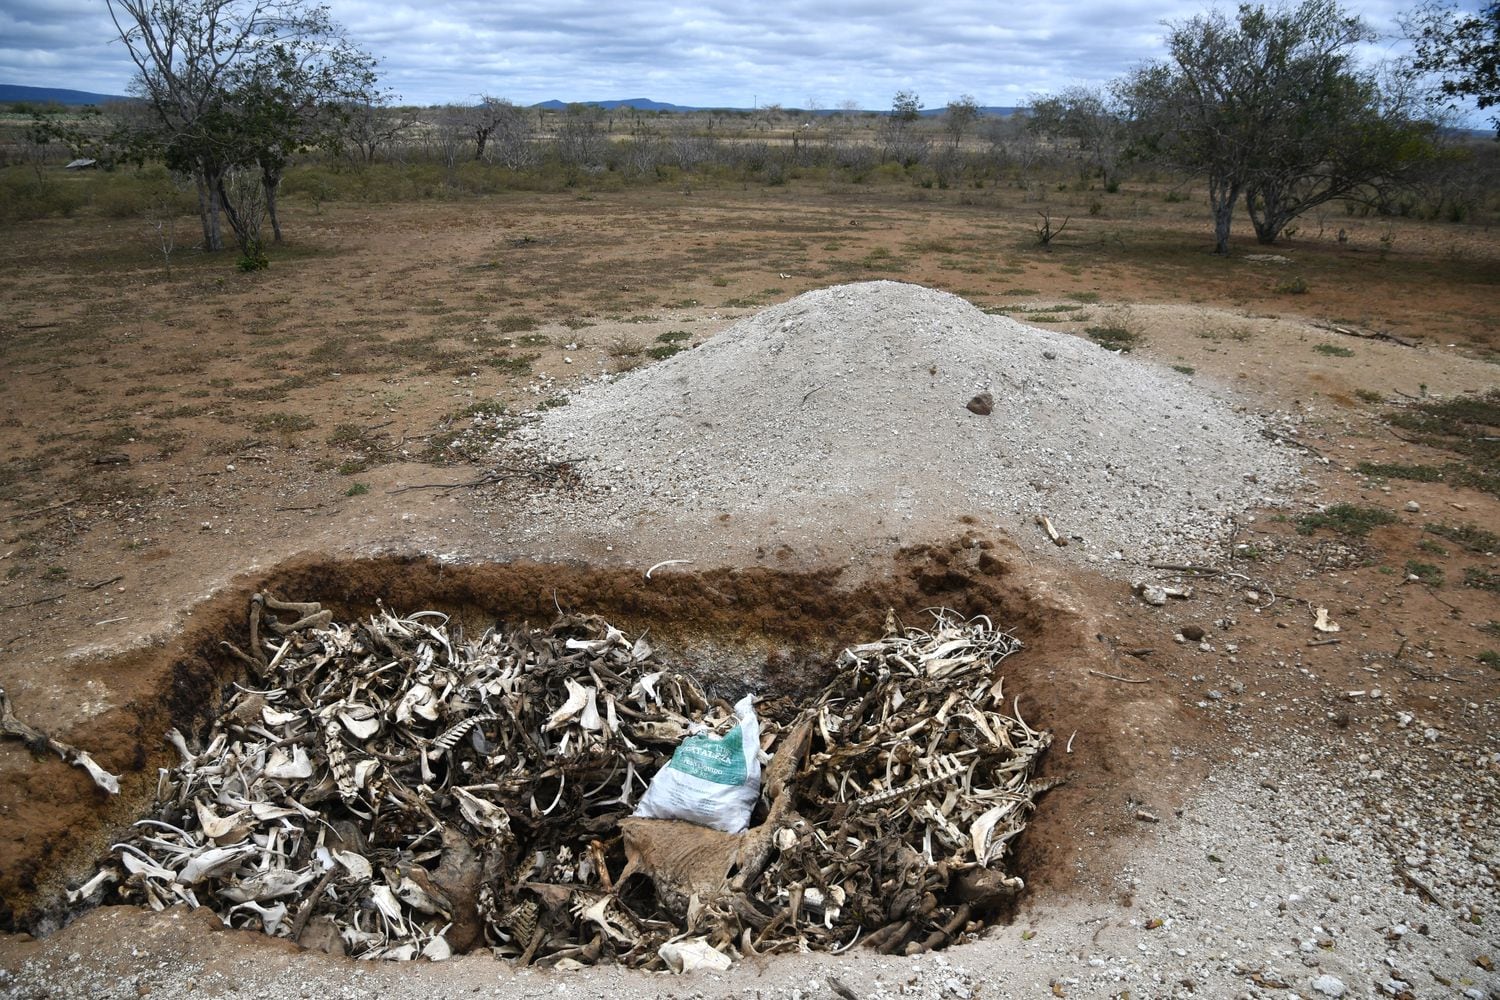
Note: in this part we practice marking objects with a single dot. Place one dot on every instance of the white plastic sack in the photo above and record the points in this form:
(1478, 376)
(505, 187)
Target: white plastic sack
(711, 780)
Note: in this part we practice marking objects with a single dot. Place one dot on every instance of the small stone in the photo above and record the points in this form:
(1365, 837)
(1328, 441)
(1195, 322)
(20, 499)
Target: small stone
(1050, 355)
(1329, 986)
(982, 404)
(1215, 695)
(1413, 506)
(1192, 633)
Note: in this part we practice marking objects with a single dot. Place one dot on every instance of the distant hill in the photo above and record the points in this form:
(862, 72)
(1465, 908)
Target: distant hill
(11, 93)
(647, 104)
(638, 103)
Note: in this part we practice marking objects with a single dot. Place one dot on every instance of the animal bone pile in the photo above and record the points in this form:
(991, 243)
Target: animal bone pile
(391, 789)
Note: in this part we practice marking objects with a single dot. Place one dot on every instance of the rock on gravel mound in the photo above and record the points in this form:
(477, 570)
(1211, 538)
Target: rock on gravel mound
(855, 397)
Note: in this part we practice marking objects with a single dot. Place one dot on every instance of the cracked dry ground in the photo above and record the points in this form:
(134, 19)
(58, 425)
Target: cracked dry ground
(169, 439)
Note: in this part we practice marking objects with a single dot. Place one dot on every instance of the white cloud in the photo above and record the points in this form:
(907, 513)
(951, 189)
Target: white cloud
(712, 53)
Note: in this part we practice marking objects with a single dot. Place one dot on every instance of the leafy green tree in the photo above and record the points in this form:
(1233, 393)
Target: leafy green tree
(1463, 48)
(906, 106)
(236, 83)
(1269, 104)
(902, 141)
(1344, 139)
(959, 117)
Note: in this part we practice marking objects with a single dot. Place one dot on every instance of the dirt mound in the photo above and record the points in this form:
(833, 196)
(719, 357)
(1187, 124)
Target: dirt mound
(859, 394)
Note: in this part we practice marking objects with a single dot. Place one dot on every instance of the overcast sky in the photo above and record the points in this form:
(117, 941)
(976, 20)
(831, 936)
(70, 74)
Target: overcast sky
(723, 53)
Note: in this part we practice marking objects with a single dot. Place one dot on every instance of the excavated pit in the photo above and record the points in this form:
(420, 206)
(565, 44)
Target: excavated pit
(772, 631)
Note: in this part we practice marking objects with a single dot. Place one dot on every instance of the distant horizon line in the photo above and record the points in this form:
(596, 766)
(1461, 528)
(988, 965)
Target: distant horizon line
(72, 97)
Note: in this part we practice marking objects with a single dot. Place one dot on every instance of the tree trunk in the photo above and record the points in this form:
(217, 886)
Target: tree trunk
(270, 179)
(1223, 193)
(1269, 214)
(208, 207)
(241, 235)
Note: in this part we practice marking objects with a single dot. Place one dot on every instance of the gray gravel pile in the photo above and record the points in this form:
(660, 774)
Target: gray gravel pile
(856, 394)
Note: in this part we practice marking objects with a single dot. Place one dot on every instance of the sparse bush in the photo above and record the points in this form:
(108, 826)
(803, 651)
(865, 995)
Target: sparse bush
(625, 346)
(518, 323)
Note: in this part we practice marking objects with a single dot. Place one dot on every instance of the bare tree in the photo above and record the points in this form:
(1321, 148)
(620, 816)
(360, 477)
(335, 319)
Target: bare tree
(448, 133)
(507, 137)
(580, 140)
(375, 124)
(1091, 118)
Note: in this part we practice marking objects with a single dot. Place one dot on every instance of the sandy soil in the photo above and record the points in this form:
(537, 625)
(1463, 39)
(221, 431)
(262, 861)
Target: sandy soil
(1295, 828)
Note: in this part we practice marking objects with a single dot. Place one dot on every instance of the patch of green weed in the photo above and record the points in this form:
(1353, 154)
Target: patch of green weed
(1428, 573)
(1481, 579)
(1416, 473)
(1468, 425)
(1346, 519)
(512, 364)
(1470, 536)
(1113, 337)
(283, 422)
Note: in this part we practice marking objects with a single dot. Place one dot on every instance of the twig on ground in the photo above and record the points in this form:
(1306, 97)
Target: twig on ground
(1117, 677)
(1421, 887)
(1271, 435)
(1344, 331)
(41, 510)
(545, 473)
(31, 604)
